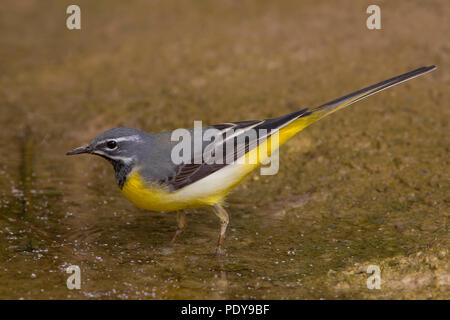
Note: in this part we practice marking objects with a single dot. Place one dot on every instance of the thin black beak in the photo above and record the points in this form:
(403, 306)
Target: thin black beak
(79, 150)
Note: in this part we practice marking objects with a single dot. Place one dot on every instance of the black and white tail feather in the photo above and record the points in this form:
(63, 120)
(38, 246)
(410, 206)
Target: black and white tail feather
(189, 173)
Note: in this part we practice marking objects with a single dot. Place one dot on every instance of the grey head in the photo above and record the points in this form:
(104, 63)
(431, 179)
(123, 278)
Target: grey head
(123, 147)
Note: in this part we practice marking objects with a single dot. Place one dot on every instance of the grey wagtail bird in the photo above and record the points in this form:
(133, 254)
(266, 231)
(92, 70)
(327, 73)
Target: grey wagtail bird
(149, 178)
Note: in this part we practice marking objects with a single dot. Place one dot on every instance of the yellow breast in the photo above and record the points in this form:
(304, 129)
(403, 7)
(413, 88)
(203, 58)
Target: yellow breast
(158, 198)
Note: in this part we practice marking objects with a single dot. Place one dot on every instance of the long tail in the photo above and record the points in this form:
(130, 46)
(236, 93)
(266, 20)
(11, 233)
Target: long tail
(309, 116)
(351, 98)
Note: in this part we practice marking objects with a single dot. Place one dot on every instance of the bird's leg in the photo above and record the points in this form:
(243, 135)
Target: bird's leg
(181, 221)
(224, 219)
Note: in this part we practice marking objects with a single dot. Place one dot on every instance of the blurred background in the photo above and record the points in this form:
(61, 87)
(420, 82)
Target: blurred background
(367, 186)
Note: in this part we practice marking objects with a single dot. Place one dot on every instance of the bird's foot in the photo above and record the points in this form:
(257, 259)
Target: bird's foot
(175, 236)
(181, 221)
(224, 219)
(220, 252)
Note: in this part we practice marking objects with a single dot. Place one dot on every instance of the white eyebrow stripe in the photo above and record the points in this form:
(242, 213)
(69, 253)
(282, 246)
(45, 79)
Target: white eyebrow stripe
(135, 138)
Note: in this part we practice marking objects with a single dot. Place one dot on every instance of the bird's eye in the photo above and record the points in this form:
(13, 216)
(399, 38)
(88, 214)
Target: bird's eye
(111, 144)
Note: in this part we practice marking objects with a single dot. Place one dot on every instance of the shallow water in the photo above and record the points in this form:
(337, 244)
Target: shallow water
(367, 186)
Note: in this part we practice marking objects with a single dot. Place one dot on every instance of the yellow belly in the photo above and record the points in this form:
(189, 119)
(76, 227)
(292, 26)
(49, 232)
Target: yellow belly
(208, 191)
(157, 198)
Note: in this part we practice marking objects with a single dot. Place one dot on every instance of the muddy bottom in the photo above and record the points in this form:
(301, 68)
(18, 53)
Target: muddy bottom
(368, 186)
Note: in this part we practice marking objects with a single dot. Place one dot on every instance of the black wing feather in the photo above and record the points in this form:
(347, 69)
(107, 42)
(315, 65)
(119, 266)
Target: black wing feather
(191, 172)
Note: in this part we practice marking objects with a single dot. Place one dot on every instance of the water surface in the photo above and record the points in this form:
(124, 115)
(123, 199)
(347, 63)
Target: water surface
(367, 186)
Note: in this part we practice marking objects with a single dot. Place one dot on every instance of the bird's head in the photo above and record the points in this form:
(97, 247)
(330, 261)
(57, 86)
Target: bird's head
(120, 146)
